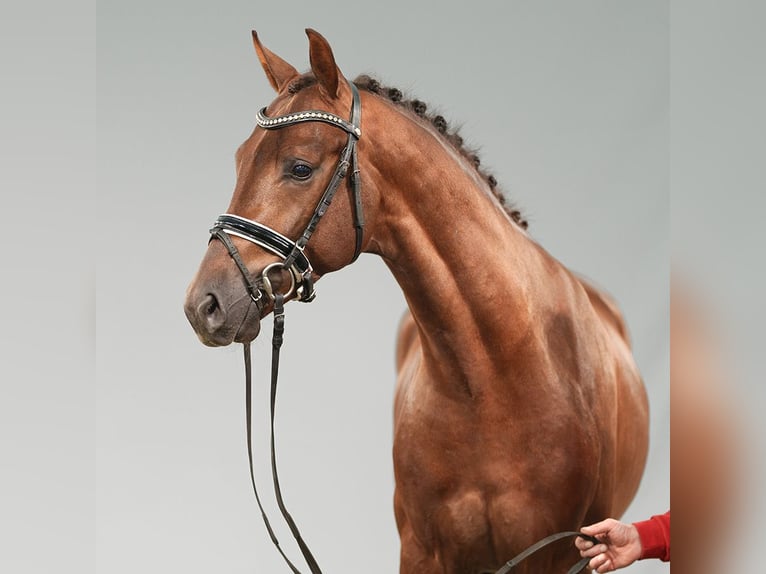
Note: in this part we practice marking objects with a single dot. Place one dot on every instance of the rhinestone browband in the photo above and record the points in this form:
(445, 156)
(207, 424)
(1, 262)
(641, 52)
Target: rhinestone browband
(268, 123)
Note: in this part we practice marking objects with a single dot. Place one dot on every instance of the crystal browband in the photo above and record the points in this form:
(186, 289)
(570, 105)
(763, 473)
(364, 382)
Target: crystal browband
(268, 123)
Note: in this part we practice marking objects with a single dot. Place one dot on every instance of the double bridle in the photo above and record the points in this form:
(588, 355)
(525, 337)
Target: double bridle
(295, 261)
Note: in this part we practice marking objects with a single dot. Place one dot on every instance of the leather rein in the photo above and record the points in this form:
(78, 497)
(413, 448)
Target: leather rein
(295, 261)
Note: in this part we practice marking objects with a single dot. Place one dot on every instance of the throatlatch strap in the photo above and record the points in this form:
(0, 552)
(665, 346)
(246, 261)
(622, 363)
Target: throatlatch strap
(356, 190)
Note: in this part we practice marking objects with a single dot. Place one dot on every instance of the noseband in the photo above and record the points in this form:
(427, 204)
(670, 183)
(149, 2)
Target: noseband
(292, 252)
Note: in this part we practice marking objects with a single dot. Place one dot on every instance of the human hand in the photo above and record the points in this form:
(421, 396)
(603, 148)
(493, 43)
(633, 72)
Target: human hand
(620, 545)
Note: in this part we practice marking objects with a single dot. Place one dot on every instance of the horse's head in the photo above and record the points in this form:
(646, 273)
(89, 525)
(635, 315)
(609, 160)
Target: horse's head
(271, 241)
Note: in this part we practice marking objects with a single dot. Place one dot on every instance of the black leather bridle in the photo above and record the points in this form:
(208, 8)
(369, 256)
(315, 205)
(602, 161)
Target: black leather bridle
(292, 253)
(295, 261)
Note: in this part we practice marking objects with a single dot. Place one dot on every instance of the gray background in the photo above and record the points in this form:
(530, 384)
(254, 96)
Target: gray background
(122, 436)
(569, 104)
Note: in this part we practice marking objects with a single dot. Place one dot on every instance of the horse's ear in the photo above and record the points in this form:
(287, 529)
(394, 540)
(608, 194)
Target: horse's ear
(277, 70)
(323, 64)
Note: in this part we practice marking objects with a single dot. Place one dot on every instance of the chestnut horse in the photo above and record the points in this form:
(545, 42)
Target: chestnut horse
(519, 410)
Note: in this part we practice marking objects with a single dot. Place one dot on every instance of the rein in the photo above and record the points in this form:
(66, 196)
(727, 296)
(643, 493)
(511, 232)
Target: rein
(578, 566)
(276, 344)
(297, 263)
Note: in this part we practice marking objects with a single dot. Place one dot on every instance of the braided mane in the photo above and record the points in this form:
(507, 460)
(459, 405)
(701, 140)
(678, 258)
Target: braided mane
(418, 107)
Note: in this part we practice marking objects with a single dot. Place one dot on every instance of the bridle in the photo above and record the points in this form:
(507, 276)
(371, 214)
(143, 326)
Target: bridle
(295, 261)
(292, 253)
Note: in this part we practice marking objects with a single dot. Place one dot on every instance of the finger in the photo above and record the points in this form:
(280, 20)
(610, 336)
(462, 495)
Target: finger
(593, 552)
(598, 562)
(583, 544)
(599, 527)
(606, 567)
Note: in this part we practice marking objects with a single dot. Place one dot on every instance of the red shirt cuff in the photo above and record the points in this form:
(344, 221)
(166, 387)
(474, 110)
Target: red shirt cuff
(655, 537)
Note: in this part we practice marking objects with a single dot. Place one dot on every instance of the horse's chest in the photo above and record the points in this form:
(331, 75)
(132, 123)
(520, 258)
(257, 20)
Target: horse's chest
(446, 460)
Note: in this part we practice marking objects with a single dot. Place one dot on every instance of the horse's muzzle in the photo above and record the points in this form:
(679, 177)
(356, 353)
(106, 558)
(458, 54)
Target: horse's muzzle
(220, 320)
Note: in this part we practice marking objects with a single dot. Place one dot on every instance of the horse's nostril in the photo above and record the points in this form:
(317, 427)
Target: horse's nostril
(210, 313)
(209, 305)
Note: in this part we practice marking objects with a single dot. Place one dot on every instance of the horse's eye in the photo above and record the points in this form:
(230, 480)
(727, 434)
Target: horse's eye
(301, 171)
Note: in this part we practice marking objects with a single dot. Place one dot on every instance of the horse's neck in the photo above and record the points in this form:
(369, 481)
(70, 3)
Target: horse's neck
(466, 270)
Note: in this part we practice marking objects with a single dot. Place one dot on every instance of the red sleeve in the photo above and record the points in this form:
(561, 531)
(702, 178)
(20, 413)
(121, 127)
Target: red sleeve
(655, 537)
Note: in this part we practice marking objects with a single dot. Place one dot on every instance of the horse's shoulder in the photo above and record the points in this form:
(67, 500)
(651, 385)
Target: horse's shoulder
(606, 308)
